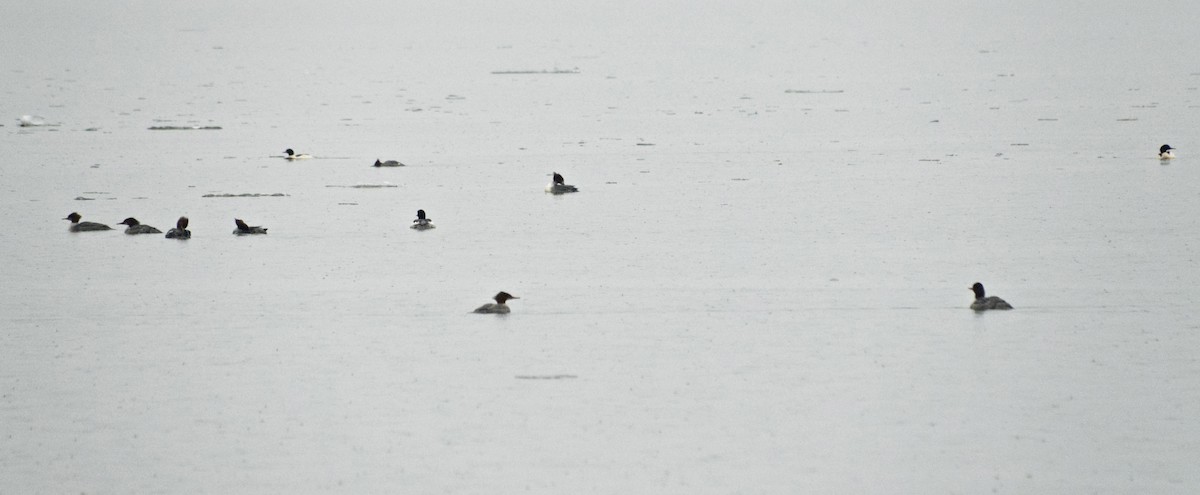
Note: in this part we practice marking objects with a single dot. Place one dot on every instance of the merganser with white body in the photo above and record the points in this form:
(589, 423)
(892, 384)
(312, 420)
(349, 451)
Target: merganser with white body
(422, 223)
(497, 307)
(243, 229)
(984, 303)
(135, 227)
(1166, 152)
(558, 187)
(389, 163)
(77, 226)
(180, 231)
(291, 155)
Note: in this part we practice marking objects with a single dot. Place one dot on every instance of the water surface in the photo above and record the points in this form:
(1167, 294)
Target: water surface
(761, 287)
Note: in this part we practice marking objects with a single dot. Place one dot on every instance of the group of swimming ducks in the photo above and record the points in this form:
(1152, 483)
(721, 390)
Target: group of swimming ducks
(556, 186)
(133, 227)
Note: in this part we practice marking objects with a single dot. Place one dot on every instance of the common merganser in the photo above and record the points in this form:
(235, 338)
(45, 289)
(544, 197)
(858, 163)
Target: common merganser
(291, 155)
(137, 228)
(77, 226)
(180, 231)
(243, 229)
(422, 223)
(497, 307)
(1166, 152)
(389, 163)
(984, 303)
(558, 187)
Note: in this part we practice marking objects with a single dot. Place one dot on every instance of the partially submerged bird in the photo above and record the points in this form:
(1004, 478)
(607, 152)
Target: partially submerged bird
(135, 227)
(422, 223)
(1166, 152)
(557, 186)
(31, 121)
(984, 303)
(389, 163)
(180, 231)
(291, 154)
(497, 307)
(243, 229)
(77, 226)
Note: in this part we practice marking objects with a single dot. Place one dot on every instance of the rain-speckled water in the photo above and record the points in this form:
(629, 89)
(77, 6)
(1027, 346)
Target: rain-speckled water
(760, 288)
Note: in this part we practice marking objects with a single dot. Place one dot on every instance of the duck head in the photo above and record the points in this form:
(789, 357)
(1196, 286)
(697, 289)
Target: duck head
(978, 290)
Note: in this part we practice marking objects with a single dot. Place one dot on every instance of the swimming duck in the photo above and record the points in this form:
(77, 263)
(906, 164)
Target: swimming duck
(77, 226)
(134, 227)
(1166, 152)
(558, 187)
(291, 155)
(389, 163)
(180, 231)
(983, 303)
(497, 307)
(422, 223)
(243, 229)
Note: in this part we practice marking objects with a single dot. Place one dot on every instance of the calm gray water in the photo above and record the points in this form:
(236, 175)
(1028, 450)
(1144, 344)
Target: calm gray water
(761, 287)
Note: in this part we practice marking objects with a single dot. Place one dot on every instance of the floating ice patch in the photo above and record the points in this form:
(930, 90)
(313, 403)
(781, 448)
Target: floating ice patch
(92, 193)
(245, 195)
(546, 377)
(184, 127)
(365, 186)
(552, 71)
